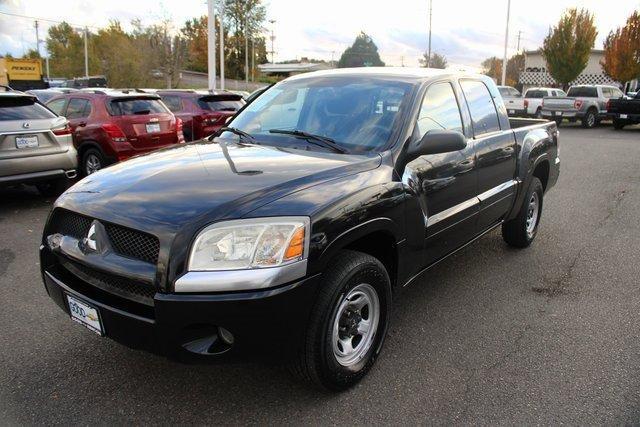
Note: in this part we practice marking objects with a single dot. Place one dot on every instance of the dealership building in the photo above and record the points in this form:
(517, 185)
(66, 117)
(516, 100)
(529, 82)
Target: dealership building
(535, 72)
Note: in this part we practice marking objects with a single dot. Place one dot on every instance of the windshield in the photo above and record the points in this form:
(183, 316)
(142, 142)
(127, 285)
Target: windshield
(358, 113)
(131, 106)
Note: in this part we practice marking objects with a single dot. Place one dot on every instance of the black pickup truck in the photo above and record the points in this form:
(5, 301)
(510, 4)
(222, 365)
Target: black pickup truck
(289, 232)
(624, 111)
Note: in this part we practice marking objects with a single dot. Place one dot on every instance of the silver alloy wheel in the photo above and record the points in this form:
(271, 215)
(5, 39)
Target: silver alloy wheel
(92, 164)
(533, 211)
(591, 119)
(355, 324)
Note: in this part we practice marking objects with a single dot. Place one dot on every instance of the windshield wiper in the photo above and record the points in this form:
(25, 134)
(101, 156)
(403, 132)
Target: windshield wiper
(319, 140)
(242, 134)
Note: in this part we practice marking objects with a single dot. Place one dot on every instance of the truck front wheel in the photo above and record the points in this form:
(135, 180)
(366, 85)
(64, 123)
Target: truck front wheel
(520, 231)
(348, 323)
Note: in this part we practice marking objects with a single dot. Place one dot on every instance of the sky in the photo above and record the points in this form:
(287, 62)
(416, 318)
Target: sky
(466, 32)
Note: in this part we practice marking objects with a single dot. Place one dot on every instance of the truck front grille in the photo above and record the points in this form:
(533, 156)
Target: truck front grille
(125, 241)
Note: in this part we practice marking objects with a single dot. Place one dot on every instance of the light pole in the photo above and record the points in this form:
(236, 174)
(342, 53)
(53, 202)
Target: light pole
(211, 43)
(506, 42)
(429, 48)
(222, 45)
(246, 49)
(273, 37)
(253, 58)
(86, 54)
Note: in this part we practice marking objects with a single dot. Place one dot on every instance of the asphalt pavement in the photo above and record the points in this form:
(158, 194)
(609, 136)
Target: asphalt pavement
(493, 335)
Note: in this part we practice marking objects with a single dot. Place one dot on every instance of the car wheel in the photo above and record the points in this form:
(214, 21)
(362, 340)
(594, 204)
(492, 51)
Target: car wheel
(589, 120)
(520, 231)
(348, 323)
(538, 114)
(54, 188)
(618, 124)
(92, 161)
(558, 122)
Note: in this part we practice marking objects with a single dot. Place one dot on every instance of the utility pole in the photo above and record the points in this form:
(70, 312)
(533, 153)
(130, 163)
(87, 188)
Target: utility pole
(46, 61)
(273, 37)
(506, 42)
(246, 49)
(86, 53)
(211, 43)
(519, 35)
(430, 20)
(253, 58)
(37, 37)
(222, 45)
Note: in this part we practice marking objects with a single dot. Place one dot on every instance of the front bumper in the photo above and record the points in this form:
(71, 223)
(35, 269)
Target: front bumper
(266, 323)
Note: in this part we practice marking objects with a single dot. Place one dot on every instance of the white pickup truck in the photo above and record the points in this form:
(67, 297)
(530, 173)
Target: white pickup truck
(513, 100)
(533, 99)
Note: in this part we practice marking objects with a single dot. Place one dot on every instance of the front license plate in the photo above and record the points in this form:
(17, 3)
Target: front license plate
(26, 141)
(557, 113)
(85, 314)
(623, 116)
(512, 111)
(153, 127)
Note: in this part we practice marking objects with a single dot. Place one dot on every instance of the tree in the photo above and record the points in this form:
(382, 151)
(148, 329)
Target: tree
(492, 67)
(621, 59)
(66, 51)
(567, 47)
(437, 60)
(244, 19)
(363, 53)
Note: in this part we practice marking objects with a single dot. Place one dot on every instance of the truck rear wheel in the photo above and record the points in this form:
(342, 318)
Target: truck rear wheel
(348, 323)
(618, 124)
(589, 120)
(520, 231)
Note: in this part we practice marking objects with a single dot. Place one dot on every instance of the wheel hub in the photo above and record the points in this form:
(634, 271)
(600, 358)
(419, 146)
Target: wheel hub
(355, 324)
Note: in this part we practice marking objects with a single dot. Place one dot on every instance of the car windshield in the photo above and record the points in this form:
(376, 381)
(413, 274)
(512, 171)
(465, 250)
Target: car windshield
(358, 113)
(583, 91)
(131, 106)
(22, 108)
(213, 103)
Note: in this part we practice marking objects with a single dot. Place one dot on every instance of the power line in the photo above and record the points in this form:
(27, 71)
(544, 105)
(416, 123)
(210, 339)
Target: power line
(34, 18)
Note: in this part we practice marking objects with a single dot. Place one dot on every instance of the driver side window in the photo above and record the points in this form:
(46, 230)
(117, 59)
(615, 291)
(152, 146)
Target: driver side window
(439, 110)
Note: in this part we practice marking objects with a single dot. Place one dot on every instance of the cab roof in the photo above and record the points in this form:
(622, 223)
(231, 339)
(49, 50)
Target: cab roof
(406, 73)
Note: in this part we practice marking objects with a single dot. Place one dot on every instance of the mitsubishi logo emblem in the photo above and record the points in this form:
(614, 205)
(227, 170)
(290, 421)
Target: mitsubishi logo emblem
(26, 125)
(90, 243)
(91, 238)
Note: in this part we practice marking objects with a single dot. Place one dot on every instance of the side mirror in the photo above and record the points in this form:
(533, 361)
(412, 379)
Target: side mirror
(437, 142)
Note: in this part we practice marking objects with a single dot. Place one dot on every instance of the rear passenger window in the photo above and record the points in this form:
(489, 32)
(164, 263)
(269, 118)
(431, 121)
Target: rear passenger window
(174, 103)
(439, 110)
(78, 108)
(483, 111)
(56, 106)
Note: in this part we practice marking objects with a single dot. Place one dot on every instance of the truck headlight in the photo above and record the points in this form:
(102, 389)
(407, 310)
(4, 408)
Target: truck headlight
(250, 244)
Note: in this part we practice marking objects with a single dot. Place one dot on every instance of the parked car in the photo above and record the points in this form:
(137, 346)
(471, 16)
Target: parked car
(533, 99)
(35, 145)
(289, 232)
(513, 100)
(203, 113)
(112, 126)
(624, 111)
(44, 95)
(86, 82)
(587, 103)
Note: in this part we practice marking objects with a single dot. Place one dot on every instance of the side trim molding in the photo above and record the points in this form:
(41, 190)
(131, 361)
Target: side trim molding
(497, 190)
(434, 219)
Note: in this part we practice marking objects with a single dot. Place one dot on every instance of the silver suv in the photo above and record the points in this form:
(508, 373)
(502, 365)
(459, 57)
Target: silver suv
(36, 145)
(587, 103)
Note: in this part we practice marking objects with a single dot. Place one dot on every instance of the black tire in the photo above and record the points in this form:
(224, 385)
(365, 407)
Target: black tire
(618, 124)
(316, 360)
(558, 122)
(91, 155)
(53, 188)
(590, 120)
(515, 232)
(538, 114)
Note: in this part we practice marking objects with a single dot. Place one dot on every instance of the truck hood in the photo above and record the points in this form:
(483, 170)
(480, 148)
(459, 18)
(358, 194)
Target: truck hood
(201, 182)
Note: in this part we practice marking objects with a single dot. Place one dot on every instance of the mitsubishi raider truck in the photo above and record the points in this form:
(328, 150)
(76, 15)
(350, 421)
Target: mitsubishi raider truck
(289, 232)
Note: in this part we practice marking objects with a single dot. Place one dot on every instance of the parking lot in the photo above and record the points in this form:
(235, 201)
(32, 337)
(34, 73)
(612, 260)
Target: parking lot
(492, 335)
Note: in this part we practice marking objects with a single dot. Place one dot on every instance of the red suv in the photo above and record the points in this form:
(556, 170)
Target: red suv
(202, 112)
(111, 126)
